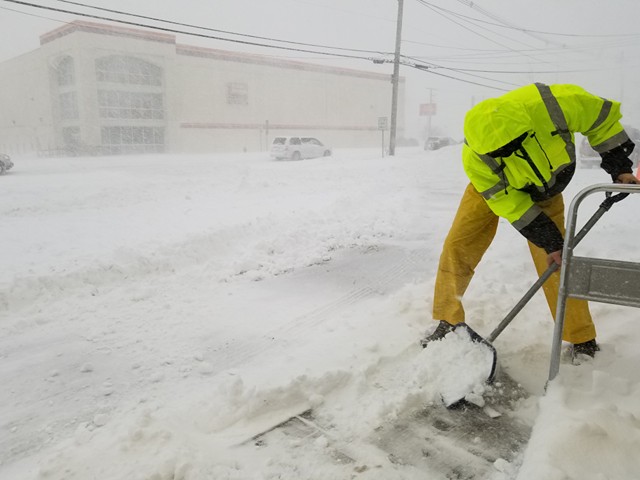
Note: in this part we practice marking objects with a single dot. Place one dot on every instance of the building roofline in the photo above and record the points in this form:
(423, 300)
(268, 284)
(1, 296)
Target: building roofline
(104, 29)
(204, 52)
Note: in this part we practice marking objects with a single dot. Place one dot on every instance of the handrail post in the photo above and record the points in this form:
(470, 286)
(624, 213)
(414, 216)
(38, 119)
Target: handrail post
(567, 253)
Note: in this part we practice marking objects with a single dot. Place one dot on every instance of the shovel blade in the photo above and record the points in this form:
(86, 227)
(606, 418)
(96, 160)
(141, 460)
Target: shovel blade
(477, 338)
(456, 397)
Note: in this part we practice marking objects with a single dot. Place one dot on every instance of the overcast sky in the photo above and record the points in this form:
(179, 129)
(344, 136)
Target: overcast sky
(590, 42)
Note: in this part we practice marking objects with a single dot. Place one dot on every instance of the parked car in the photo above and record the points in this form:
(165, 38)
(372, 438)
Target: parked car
(434, 143)
(296, 148)
(589, 158)
(5, 163)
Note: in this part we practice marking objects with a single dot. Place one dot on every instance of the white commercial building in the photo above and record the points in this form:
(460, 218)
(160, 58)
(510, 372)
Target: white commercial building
(97, 89)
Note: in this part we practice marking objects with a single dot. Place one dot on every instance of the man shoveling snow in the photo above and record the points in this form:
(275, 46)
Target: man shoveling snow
(519, 155)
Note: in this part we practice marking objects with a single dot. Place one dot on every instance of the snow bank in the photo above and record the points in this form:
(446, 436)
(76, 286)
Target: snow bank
(154, 311)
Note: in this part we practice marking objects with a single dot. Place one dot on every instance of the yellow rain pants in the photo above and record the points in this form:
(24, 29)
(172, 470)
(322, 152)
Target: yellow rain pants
(473, 229)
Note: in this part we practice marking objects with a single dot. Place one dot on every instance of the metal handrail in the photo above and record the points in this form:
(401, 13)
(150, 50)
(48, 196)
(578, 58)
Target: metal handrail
(622, 190)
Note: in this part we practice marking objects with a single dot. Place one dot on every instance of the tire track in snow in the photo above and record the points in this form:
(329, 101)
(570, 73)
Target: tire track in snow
(387, 270)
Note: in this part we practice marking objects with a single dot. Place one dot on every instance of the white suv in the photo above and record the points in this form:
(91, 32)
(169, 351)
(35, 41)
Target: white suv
(296, 148)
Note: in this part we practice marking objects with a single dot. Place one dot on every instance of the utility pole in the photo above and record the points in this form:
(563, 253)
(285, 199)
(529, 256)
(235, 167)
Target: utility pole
(395, 81)
(430, 114)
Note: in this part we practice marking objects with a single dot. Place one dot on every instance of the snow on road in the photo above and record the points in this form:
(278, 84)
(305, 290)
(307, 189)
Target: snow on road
(156, 310)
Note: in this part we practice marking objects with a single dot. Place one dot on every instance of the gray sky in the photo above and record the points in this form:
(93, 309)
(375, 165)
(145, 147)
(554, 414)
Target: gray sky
(589, 42)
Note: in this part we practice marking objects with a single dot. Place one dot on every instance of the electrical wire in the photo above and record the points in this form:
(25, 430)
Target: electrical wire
(488, 54)
(428, 70)
(414, 65)
(533, 56)
(502, 23)
(182, 32)
(226, 32)
(440, 11)
(505, 24)
(464, 72)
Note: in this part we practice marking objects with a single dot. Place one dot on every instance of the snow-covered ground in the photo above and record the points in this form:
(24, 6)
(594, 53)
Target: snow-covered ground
(157, 311)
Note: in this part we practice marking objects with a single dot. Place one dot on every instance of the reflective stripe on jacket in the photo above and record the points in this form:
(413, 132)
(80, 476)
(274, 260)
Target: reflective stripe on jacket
(549, 115)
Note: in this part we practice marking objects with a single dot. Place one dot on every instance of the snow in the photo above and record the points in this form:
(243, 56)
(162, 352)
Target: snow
(157, 311)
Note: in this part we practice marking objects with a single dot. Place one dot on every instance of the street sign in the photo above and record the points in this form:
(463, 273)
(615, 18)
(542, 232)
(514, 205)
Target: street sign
(383, 123)
(427, 109)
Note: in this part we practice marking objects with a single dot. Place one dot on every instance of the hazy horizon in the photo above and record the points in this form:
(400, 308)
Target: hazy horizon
(473, 50)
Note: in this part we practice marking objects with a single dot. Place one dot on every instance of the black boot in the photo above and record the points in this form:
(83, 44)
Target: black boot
(586, 348)
(438, 334)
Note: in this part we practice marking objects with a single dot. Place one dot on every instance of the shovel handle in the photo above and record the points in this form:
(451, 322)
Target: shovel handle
(604, 207)
(522, 302)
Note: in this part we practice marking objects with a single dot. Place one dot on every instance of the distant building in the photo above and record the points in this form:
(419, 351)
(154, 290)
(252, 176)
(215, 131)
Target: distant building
(98, 89)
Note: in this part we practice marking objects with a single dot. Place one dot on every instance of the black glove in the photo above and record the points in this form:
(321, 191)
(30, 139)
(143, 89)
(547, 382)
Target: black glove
(543, 233)
(616, 160)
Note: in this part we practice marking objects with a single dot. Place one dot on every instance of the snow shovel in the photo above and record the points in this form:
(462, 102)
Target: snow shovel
(477, 338)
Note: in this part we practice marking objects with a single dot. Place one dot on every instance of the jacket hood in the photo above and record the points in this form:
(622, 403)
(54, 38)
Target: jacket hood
(493, 123)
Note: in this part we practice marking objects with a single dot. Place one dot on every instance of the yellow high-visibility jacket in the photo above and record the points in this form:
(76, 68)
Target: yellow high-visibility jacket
(546, 117)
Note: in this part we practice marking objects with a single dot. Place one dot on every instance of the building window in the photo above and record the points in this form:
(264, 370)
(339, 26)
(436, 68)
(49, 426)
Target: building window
(71, 139)
(237, 93)
(131, 105)
(121, 140)
(65, 71)
(69, 106)
(127, 70)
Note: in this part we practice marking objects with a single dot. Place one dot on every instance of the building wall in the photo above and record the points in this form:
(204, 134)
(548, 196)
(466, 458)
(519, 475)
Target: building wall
(209, 100)
(86, 48)
(26, 123)
(282, 98)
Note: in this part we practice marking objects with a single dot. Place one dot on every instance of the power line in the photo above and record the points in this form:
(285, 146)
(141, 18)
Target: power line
(626, 40)
(466, 49)
(519, 72)
(428, 70)
(415, 64)
(464, 72)
(505, 24)
(31, 14)
(482, 55)
(194, 34)
(438, 11)
(226, 32)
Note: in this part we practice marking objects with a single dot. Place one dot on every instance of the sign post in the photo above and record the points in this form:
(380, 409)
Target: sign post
(428, 110)
(383, 124)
